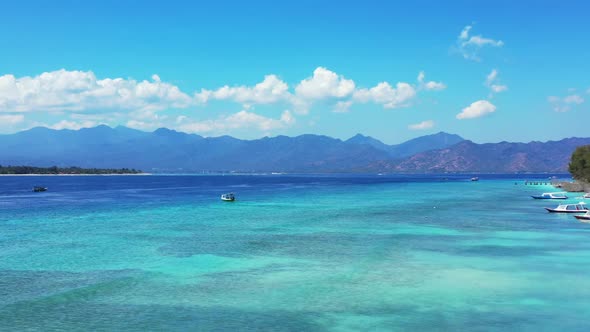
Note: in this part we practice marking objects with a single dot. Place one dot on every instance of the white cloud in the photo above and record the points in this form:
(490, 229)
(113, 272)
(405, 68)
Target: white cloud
(73, 125)
(491, 77)
(242, 119)
(573, 99)
(81, 99)
(431, 85)
(422, 125)
(491, 81)
(469, 46)
(464, 35)
(565, 104)
(498, 88)
(79, 91)
(11, 119)
(384, 93)
(271, 90)
(476, 110)
(324, 84)
(342, 106)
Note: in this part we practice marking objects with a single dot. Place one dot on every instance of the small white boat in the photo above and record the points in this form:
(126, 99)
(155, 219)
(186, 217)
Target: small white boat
(586, 195)
(585, 217)
(229, 197)
(558, 195)
(475, 178)
(570, 208)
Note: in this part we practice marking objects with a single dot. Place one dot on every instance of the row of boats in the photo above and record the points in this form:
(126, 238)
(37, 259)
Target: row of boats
(576, 208)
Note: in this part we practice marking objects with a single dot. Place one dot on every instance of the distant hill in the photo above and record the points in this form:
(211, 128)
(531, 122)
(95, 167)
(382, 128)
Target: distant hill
(166, 150)
(411, 147)
(425, 143)
(504, 157)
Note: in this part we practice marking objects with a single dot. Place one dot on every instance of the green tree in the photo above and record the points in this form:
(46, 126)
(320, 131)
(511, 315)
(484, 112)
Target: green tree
(580, 164)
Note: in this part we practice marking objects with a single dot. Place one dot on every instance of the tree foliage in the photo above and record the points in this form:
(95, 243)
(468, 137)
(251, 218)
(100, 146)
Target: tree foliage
(579, 165)
(64, 170)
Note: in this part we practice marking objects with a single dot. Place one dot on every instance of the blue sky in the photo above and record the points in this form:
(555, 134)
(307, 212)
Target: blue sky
(489, 71)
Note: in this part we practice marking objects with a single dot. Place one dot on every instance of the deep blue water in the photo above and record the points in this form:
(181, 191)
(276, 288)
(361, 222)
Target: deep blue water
(293, 253)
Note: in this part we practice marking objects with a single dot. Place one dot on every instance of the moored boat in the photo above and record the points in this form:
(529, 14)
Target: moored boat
(585, 217)
(229, 197)
(38, 189)
(475, 178)
(570, 208)
(558, 195)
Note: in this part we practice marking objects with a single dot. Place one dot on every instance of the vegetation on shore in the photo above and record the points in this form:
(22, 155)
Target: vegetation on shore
(579, 165)
(54, 170)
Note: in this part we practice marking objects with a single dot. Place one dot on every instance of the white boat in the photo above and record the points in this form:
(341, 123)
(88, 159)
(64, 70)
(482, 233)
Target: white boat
(558, 195)
(475, 178)
(586, 195)
(585, 217)
(570, 208)
(229, 197)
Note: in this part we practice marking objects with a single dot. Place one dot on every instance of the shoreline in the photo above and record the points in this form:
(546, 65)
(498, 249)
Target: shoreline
(436, 175)
(110, 174)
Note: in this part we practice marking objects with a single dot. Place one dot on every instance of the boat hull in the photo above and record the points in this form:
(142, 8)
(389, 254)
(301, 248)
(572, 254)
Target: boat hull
(582, 217)
(565, 211)
(541, 197)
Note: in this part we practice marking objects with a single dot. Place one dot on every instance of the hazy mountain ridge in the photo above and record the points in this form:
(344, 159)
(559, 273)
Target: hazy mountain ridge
(411, 147)
(503, 157)
(166, 150)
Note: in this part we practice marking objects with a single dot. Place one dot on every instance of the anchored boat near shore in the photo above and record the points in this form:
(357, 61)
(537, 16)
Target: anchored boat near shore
(569, 208)
(556, 195)
(585, 217)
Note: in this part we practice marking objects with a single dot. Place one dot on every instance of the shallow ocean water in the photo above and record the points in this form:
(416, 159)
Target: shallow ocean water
(293, 253)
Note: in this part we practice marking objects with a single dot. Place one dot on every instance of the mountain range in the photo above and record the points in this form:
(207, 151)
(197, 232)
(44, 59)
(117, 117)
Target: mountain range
(166, 150)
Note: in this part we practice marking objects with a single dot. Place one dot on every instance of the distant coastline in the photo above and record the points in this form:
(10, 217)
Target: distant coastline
(67, 171)
(88, 174)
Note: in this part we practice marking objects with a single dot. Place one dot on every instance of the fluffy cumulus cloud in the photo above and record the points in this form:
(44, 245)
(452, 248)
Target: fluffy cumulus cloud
(80, 91)
(469, 45)
(271, 90)
(476, 110)
(81, 99)
(492, 82)
(422, 125)
(324, 84)
(564, 104)
(390, 97)
(242, 119)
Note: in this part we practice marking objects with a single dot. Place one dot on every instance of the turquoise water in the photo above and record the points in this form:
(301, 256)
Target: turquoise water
(292, 254)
